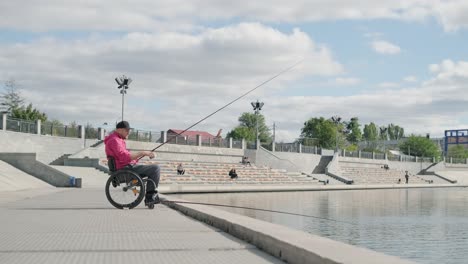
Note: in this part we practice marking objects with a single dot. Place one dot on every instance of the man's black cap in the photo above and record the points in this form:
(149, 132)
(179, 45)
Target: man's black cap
(123, 124)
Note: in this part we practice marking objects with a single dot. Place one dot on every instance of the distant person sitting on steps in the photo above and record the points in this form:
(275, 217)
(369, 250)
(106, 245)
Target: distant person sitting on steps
(180, 169)
(406, 177)
(399, 181)
(386, 167)
(233, 174)
(245, 161)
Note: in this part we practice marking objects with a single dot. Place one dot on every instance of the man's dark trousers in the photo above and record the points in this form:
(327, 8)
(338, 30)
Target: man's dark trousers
(152, 172)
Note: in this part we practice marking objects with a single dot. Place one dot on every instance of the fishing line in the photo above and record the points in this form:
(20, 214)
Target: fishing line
(233, 101)
(260, 209)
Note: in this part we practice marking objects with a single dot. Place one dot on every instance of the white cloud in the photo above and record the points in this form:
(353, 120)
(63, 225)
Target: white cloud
(178, 77)
(449, 69)
(144, 15)
(346, 81)
(385, 47)
(388, 85)
(432, 107)
(453, 15)
(410, 78)
(373, 35)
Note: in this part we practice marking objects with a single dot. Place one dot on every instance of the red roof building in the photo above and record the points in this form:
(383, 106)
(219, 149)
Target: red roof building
(190, 134)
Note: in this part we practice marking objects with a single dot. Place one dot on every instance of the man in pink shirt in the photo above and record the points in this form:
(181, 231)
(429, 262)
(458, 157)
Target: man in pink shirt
(117, 148)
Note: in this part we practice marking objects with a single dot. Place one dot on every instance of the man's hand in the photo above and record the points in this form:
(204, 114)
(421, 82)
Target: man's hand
(149, 154)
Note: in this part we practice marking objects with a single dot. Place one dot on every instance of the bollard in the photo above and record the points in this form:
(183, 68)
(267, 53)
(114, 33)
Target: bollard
(72, 181)
(78, 182)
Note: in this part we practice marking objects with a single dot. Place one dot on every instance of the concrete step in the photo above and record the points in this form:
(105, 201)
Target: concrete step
(90, 177)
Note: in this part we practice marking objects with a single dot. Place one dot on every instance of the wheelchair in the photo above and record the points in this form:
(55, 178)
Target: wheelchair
(125, 188)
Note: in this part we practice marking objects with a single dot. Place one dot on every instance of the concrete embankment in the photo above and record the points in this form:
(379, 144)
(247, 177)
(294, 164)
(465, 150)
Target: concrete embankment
(213, 188)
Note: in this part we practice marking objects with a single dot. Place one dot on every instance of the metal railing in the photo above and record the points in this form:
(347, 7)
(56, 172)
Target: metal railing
(144, 136)
(20, 125)
(353, 154)
(393, 157)
(91, 132)
(250, 145)
(379, 156)
(408, 158)
(287, 147)
(310, 149)
(457, 160)
(424, 159)
(48, 128)
(215, 142)
(367, 155)
(237, 144)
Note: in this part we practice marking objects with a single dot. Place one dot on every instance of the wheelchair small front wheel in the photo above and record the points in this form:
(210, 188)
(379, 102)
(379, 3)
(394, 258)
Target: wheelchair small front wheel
(125, 189)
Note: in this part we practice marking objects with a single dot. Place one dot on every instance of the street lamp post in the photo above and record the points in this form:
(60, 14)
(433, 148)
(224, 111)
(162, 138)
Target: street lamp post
(257, 106)
(123, 83)
(336, 120)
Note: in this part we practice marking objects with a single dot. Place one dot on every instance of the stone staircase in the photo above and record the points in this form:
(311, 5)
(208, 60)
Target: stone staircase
(217, 173)
(60, 160)
(377, 175)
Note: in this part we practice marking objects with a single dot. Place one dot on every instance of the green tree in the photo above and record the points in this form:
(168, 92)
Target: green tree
(395, 132)
(419, 146)
(241, 132)
(28, 113)
(324, 130)
(383, 133)
(248, 126)
(354, 133)
(352, 148)
(370, 132)
(11, 98)
(458, 151)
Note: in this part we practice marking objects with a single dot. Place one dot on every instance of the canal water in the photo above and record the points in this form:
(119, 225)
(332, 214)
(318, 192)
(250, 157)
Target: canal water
(425, 225)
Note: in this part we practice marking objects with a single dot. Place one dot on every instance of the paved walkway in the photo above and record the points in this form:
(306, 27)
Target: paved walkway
(80, 226)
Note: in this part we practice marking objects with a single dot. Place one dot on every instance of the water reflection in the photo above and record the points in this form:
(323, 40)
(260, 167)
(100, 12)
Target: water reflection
(425, 225)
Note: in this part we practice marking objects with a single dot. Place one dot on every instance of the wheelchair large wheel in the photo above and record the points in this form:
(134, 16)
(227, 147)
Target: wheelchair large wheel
(125, 189)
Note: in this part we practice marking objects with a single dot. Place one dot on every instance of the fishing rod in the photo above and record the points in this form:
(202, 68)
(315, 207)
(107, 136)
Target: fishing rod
(233, 101)
(260, 209)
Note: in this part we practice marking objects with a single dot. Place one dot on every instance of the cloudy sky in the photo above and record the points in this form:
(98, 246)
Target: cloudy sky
(386, 61)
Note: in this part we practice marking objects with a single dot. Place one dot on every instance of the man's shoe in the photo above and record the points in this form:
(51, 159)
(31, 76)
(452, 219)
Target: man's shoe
(152, 198)
(115, 182)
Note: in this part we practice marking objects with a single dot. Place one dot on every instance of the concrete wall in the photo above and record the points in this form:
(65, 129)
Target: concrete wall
(438, 166)
(333, 170)
(450, 166)
(303, 162)
(134, 145)
(27, 162)
(48, 148)
(412, 167)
